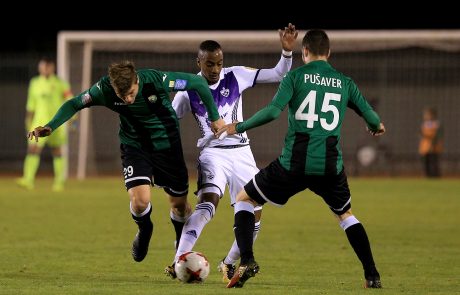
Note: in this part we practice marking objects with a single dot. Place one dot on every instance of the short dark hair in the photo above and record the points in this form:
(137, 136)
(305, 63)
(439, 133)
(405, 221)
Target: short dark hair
(47, 60)
(209, 46)
(317, 42)
(122, 76)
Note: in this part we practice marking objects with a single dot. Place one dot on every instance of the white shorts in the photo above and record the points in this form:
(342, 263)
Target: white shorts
(218, 167)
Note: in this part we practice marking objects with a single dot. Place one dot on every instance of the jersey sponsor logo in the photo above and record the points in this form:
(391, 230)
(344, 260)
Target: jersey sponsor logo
(164, 77)
(86, 98)
(119, 103)
(323, 81)
(180, 84)
(152, 98)
(225, 92)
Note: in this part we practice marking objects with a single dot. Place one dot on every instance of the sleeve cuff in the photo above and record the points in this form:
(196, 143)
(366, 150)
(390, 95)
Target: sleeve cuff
(286, 54)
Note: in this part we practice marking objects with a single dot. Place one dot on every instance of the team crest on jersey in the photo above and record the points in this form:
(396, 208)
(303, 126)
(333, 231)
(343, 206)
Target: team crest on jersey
(225, 92)
(86, 98)
(180, 84)
(152, 98)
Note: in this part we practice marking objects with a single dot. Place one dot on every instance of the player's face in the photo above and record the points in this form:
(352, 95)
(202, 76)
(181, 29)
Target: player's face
(45, 68)
(210, 64)
(130, 96)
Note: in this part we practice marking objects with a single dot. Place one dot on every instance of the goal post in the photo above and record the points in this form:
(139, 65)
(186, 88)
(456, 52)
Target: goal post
(369, 57)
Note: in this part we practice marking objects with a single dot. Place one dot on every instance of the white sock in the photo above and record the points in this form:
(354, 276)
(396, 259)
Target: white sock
(193, 227)
(349, 221)
(234, 254)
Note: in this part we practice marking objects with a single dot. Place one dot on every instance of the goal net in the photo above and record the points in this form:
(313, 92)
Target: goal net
(399, 72)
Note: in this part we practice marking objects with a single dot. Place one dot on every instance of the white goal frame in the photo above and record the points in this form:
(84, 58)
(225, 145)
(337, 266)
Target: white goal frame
(232, 41)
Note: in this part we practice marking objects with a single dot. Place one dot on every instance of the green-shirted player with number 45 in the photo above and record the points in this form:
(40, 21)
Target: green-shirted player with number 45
(151, 148)
(317, 96)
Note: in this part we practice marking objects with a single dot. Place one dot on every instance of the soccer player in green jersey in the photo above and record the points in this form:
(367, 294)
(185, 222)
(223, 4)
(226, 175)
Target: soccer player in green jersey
(45, 95)
(151, 149)
(317, 96)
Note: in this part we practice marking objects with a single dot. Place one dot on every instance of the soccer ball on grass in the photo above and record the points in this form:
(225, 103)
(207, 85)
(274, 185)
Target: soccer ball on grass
(192, 267)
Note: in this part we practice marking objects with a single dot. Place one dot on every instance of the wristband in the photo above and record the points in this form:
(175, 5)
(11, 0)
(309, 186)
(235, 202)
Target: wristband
(286, 54)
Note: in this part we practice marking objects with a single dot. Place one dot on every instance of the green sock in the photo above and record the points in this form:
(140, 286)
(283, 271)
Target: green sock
(59, 165)
(31, 164)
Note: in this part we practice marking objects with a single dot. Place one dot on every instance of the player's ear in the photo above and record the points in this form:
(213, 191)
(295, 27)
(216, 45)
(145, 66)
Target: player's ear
(198, 62)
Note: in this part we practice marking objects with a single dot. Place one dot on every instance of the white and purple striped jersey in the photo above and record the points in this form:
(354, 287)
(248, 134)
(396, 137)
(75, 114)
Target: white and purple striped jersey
(227, 96)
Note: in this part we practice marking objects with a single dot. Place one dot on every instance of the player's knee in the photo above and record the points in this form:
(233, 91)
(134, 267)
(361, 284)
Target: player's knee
(57, 152)
(34, 149)
(140, 197)
(138, 205)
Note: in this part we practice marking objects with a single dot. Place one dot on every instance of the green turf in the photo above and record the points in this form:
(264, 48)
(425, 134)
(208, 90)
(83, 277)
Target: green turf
(79, 242)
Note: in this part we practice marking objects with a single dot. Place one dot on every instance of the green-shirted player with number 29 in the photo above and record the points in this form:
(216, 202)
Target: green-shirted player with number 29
(149, 136)
(317, 96)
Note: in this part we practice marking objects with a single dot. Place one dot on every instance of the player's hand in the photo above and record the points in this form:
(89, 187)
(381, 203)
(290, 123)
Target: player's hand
(288, 37)
(379, 131)
(39, 132)
(230, 129)
(216, 125)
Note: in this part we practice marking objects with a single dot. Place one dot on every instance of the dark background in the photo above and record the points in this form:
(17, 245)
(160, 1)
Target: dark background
(34, 27)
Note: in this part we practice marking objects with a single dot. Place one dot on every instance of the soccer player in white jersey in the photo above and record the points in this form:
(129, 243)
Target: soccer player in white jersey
(228, 161)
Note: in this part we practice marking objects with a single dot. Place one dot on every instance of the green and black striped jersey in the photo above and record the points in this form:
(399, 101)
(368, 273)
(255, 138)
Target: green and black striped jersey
(317, 96)
(149, 122)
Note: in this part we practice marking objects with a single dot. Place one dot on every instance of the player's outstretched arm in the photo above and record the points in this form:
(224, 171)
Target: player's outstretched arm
(39, 132)
(264, 116)
(288, 37)
(200, 85)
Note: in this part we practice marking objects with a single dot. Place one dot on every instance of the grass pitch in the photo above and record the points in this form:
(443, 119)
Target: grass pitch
(79, 241)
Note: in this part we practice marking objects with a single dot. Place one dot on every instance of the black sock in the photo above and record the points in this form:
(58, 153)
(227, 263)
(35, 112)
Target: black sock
(244, 228)
(178, 226)
(143, 221)
(359, 241)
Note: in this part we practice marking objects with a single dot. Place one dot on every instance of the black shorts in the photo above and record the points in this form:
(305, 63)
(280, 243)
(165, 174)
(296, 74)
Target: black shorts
(166, 168)
(276, 185)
